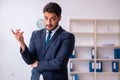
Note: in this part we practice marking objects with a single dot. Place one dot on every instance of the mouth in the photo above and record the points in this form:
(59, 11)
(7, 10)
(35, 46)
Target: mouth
(49, 27)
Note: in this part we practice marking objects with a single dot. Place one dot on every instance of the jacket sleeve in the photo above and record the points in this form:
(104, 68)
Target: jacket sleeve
(62, 57)
(29, 55)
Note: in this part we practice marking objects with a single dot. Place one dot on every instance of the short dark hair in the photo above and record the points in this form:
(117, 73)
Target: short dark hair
(53, 8)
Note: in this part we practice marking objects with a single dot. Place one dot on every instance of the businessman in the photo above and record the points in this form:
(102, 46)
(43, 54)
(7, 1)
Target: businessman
(50, 48)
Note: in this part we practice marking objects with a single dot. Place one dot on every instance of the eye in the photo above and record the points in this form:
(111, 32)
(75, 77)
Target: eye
(46, 18)
(53, 19)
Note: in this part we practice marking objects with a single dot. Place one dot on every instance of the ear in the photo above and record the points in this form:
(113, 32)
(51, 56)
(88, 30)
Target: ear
(59, 18)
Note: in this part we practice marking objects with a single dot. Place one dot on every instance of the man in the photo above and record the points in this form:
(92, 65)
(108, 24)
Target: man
(48, 58)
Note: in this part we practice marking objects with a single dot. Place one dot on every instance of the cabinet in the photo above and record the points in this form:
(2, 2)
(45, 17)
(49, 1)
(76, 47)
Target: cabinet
(95, 44)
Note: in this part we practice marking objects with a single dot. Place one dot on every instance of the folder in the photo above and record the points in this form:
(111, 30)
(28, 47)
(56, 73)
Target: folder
(115, 66)
(117, 53)
(71, 66)
(75, 77)
(92, 53)
(98, 66)
(73, 54)
(91, 66)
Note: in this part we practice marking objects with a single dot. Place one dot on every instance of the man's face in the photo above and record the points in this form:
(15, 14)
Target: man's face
(51, 20)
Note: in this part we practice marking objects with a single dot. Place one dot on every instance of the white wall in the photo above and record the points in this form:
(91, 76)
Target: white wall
(23, 14)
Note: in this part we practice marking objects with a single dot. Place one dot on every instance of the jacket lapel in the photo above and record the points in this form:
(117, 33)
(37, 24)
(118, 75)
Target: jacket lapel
(43, 35)
(44, 38)
(57, 33)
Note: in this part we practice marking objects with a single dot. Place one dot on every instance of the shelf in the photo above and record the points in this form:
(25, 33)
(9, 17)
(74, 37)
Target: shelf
(85, 46)
(98, 73)
(99, 39)
(77, 72)
(108, 46)
(107, 59)
(83, 33)
(104, 73)
(78, 59)
(76, 25)
(108, 33)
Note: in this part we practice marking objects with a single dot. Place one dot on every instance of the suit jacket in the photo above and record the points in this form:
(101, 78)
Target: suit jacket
(53, 60)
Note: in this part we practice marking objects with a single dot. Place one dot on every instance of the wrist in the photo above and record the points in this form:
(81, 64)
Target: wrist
(22, 45)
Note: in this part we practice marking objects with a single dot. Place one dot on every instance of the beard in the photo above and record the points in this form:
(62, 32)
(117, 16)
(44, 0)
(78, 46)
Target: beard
(50, 25)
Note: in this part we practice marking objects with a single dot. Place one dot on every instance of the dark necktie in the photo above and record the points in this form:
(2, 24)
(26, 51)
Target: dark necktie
(48, 38)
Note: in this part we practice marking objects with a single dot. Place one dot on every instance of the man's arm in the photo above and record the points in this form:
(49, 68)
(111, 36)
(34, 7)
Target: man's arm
(19, 36)
(28, 57)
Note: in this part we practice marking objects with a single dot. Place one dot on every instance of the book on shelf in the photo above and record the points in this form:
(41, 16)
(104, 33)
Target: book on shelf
(91, 66)
(71, 66)
(115, 66)
(117, 53)
(92, 53)
(73, 54)
(75, 77)
(98, 66)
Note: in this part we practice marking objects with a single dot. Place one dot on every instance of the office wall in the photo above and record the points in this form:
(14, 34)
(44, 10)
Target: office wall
(23, 14)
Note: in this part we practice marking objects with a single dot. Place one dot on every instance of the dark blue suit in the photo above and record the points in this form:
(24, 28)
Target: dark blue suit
(53, 60)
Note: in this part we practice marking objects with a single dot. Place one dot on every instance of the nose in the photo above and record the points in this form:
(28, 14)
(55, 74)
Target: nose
(49, 21)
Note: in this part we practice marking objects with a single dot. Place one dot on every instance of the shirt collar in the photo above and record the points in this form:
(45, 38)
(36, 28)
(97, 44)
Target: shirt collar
(53, 31)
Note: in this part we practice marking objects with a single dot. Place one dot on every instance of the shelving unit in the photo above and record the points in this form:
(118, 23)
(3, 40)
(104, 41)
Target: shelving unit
(101, 35)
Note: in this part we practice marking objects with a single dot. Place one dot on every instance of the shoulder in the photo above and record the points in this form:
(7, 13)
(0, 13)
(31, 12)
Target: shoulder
(66, 34)
(36, 32)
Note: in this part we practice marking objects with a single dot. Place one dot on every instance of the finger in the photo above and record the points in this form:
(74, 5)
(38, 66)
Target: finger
(20, 33)
(17, 30)
(13, 31)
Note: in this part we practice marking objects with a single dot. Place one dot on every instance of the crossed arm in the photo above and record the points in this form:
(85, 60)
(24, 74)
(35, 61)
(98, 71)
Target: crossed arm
(19, 37)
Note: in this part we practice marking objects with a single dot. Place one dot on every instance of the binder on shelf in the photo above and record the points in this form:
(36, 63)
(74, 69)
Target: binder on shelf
(71, 66)
(91, 66)
(115, 66)
(75, 77)
(98, 66)
(73, 54)
(92, 53)
(117, 53)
